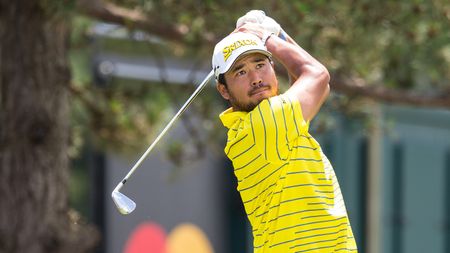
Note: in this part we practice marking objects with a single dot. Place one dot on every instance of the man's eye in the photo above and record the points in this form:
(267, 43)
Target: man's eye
(260, 65)
(240, 73)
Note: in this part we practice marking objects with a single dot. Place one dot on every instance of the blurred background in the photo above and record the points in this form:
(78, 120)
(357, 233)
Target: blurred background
(86, 86)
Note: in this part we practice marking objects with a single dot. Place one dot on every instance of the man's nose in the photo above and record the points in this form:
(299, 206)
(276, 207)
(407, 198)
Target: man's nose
(255, 78)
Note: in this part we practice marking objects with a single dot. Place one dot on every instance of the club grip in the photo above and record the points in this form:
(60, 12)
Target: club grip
(283, 35)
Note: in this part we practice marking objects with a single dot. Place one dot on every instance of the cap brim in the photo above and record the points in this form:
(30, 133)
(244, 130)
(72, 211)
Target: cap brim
(250, 51)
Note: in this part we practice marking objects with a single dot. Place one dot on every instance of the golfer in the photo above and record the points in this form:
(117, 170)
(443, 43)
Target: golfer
(289, 189)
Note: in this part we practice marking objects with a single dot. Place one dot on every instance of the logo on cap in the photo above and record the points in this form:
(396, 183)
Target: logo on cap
(228, 50)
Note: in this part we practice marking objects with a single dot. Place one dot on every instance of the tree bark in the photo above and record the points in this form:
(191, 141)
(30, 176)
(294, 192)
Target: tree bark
(34, 133)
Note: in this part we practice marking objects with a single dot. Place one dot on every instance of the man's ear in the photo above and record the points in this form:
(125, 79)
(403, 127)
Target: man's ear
(272, 62)
(223, 90)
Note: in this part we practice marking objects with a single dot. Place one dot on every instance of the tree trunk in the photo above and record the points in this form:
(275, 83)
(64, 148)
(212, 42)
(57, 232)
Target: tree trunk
(34, 133)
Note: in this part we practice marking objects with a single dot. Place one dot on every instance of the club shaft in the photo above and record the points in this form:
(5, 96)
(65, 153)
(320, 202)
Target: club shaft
(169, 125)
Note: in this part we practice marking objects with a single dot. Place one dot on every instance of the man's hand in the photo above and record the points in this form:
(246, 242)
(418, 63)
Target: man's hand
(259, 17)
(253, 28)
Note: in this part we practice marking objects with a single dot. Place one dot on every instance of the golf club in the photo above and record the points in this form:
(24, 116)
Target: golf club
(124, 204)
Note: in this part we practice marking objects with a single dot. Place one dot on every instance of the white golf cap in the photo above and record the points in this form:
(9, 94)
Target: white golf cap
(231, 47)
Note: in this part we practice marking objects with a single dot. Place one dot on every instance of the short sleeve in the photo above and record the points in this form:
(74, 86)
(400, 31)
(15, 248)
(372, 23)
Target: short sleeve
(276, 123)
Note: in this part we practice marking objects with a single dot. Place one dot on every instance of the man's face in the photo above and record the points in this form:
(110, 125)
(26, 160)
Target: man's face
(249, 81)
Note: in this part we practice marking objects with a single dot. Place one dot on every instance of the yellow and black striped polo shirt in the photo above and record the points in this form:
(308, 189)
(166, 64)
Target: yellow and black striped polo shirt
(288, 187)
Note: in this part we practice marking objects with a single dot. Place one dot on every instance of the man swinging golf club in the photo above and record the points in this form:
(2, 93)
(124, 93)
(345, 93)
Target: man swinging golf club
(288, 186)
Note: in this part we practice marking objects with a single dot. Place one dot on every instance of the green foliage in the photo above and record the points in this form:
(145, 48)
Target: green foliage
(396, 44)
(58, 8)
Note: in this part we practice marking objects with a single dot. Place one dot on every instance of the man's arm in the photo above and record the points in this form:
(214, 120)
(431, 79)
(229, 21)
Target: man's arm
(311, 78)
(311, 86)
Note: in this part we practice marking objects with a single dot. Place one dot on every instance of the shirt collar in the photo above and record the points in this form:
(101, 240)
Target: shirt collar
(229, 117)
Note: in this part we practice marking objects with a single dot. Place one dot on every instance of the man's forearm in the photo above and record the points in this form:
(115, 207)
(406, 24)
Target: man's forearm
(310, 77)
(294, 58)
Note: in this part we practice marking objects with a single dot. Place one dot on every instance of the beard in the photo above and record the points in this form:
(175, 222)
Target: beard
(239, 105)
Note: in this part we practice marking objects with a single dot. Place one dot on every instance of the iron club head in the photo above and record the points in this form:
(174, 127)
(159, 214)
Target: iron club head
(124, 204)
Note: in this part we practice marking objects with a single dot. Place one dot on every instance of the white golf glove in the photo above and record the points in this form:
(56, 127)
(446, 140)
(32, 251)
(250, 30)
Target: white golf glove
(258, 16)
